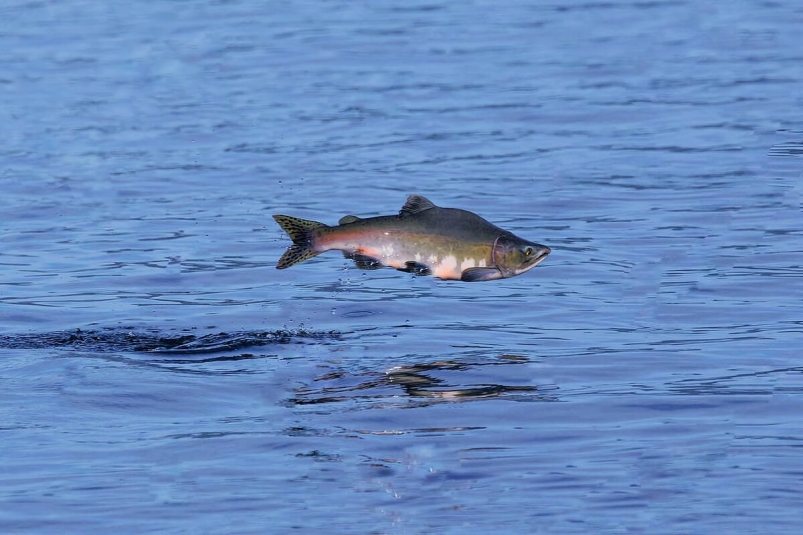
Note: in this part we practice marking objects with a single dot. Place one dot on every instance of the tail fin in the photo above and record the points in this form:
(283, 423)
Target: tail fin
(300, 231)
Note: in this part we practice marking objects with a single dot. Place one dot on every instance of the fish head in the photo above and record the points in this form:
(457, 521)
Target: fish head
(513, 255)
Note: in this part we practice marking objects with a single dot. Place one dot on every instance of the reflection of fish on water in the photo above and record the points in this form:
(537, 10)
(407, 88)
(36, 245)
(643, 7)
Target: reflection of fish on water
(424, 239)
(428, 382)
(417, 383)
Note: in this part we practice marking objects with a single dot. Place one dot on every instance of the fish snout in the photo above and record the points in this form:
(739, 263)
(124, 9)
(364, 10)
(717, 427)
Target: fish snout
(537, 255)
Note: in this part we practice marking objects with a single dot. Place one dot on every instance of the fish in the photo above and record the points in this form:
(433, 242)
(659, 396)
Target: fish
(423, 239)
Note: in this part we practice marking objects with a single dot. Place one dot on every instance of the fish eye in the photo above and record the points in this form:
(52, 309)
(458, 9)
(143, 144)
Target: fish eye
(528, 251)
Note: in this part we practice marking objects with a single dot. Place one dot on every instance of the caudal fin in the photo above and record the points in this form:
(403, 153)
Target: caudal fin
(300, 231)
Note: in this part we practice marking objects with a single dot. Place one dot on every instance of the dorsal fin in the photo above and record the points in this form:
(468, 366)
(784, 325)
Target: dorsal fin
(415, 204)
(346, 219)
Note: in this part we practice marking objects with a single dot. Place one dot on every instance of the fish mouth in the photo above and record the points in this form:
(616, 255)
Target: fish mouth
(540, 255)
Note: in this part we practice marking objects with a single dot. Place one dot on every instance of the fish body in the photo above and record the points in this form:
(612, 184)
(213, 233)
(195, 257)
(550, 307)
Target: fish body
(424, 239)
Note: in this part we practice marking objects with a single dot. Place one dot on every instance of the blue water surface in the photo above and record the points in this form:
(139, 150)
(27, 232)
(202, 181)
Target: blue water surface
(160, 376)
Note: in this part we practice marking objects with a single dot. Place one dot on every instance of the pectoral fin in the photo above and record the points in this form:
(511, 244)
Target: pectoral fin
(477, 274)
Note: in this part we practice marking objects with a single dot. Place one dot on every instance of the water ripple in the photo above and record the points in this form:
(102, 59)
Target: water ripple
(116, 340)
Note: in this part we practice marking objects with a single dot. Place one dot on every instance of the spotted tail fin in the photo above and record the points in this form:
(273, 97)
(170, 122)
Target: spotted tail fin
(300, 231)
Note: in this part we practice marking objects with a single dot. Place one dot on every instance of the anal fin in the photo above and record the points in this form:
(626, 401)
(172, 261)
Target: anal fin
(416, 268)
(362, 261)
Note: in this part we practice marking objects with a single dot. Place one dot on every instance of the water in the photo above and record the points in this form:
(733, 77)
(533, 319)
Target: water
(159, 375)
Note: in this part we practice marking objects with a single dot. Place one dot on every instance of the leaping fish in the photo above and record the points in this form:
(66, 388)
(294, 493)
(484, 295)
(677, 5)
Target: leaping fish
(424, 239)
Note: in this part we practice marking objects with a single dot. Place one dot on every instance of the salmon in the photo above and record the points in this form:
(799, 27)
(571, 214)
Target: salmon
(424, 239)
